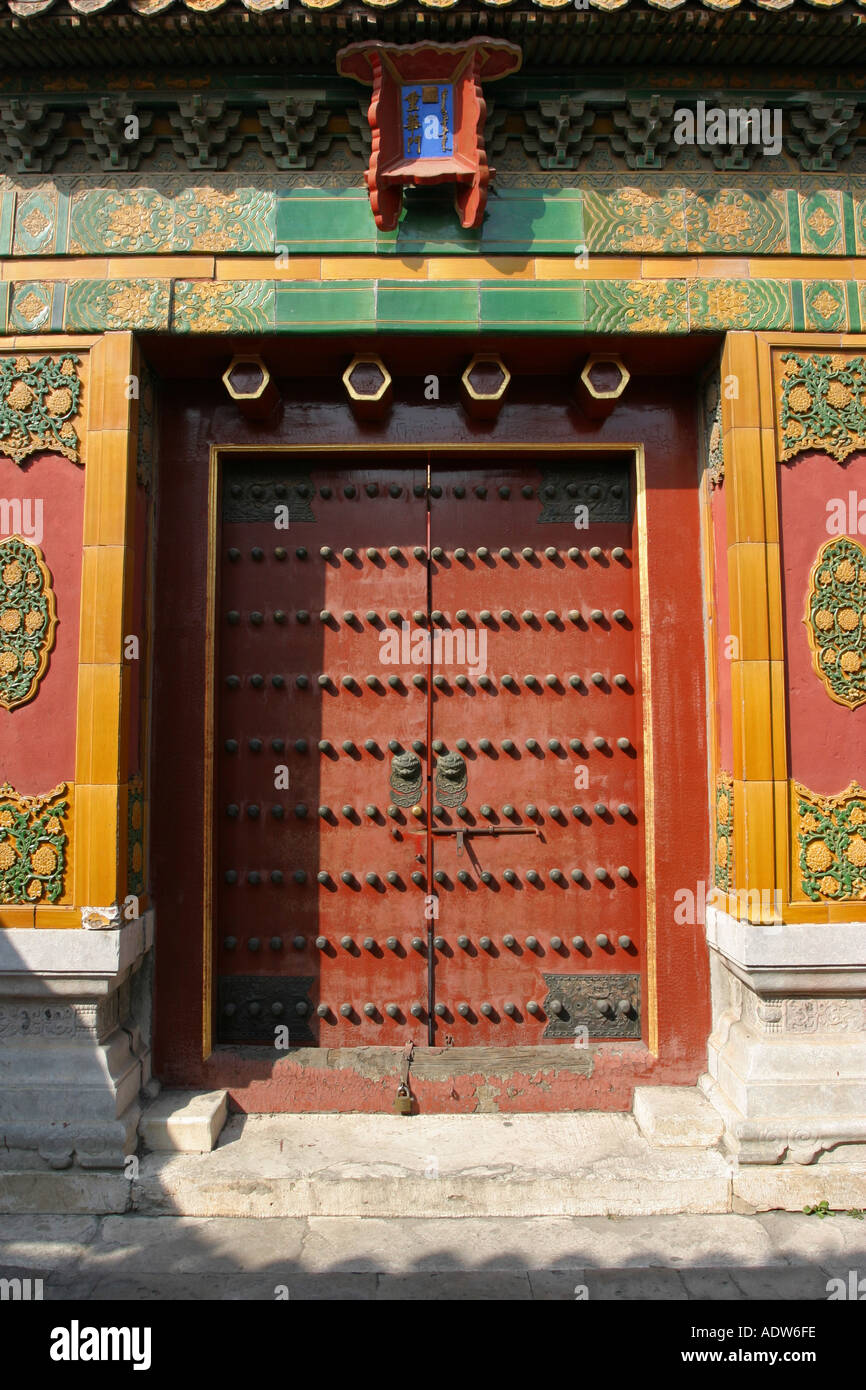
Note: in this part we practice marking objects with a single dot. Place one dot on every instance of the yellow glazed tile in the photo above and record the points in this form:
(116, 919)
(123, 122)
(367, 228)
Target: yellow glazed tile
(54, 917)
(665, 269)
(740, 391)
(759, 866)
(101, 640)
(107, 519)
(739, 833)
(84, 268)
(367, 268)
(778, 760)
(96, 876)
(813, 912)
(744, 486)
(756, 601)
(800, 268)
(51, 342)
(747, 580)
(162, 267)
(479, 268)
(16, 917)
(597, 268)
(770, 470)
(110, 368)
(723, 267)
(97, 751)
(736, 722)
(757, 714)
(268, 268)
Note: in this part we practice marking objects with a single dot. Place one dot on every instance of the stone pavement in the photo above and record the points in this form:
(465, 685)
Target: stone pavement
(779, 1256)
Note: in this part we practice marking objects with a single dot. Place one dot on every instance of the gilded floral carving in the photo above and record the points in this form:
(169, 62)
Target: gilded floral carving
(822, 404)
(831, 834)
(38, 401)
(33, 844)
(27, 620)
(724, 852)
(836, 620)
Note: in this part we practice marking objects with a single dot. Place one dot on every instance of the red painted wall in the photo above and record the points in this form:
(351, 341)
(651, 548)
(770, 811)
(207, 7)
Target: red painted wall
(826, 741)
(37, 740)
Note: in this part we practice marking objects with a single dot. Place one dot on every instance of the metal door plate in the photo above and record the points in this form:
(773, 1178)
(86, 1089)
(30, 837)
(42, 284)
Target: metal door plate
(580, 996)
(249, 1000)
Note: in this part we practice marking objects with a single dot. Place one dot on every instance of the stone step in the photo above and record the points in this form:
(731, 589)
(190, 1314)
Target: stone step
(588, 1164)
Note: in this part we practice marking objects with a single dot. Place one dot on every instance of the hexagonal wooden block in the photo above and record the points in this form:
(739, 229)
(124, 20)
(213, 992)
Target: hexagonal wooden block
(483, 385)
(248, 381)
(368, 386)
(601, 383)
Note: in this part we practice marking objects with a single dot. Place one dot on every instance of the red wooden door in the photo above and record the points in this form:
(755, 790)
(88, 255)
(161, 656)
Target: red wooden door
(427, 765)
(539, 928)
(317, 910)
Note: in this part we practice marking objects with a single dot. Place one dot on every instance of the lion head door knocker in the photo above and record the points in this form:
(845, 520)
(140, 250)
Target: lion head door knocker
(406, 779)
(451, 779)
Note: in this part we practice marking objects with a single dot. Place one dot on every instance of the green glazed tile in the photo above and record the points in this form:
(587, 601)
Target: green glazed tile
(58, 305)
(7, 215)
(97, 305)
(637, 306)
(633, 221)
(439, 303)
(64, 201)
(798, 307)
(825, 305)
(538, 222)
(793, 206)
(238, 221)
(35, 224)
(312, 221)
(125, 222)
(332, 304)
(5, 287)
(715, 305)
(430, 224)
(853, 300)
(731, 220)
(30, 306)
(225, 306)
(821, 225)
(556, 305)
(849, 224)
(860, 224)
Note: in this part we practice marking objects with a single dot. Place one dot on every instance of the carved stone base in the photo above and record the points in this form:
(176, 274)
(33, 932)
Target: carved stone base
(74, 1045)
(787, 1054)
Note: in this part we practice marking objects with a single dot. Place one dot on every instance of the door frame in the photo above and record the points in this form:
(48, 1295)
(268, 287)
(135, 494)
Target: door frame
(476, 451)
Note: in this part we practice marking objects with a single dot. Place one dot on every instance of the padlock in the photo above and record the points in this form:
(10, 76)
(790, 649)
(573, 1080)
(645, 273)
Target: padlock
(403, 1100)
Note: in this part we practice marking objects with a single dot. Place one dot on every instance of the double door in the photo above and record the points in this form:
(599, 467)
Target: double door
(428, 797)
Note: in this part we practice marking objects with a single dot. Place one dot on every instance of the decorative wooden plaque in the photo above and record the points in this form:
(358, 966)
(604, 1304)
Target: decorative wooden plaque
(427, 116)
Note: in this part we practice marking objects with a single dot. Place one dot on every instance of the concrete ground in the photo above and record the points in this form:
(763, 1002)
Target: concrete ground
(779, 1256)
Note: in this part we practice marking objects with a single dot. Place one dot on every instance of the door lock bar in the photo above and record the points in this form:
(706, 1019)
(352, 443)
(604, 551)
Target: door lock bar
(464, 831)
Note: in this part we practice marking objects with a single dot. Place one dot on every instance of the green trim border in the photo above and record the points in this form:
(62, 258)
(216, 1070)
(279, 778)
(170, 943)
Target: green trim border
(669, 306)
(636, 217)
